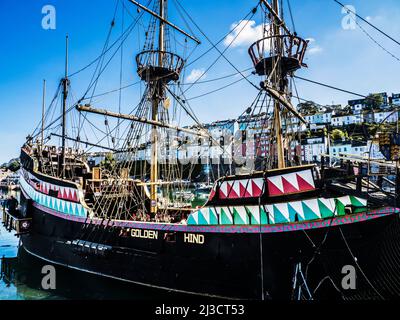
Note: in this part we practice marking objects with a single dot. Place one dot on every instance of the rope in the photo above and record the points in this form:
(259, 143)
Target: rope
(358, 266)
(367, 22)
(216, 48)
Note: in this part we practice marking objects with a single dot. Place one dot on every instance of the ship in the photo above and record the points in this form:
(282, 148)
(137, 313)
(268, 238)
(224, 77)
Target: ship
(283, 231)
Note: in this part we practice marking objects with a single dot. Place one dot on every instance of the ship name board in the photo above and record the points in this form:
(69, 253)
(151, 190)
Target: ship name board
(193, 238)
(144, 234)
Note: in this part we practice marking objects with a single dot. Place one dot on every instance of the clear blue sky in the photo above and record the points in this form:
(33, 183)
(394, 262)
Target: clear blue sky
(29, 54)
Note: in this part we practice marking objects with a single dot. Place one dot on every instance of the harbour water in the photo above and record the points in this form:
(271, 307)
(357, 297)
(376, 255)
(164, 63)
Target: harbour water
(21, 279)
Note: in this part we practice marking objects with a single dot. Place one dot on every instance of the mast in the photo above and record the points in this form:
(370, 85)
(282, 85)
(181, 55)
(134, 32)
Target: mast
(157, 96)
(43, 110)
(276, 57)
(277, 85)
(65, 82)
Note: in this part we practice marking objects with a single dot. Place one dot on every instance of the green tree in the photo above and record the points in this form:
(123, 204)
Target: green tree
(14, 166)
(373, 101)
(308, 107)
(109, 162)
(337, 134)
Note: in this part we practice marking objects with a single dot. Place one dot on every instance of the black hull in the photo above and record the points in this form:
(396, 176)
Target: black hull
(229, 265)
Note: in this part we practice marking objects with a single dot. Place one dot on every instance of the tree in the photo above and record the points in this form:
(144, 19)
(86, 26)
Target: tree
(14, 166)
(374, 101)
(109, 162)
(337, 134)
(308, 107)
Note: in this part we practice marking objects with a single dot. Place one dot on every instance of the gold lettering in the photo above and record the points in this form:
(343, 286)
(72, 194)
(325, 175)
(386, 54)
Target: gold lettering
(144, 234)
(193, 238)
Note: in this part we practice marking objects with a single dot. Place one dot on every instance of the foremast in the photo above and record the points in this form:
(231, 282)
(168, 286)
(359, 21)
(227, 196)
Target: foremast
(65, 83)
(158, 67)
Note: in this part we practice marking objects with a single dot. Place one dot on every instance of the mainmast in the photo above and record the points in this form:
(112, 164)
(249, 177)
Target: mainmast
(157, 68)
(158, 95)
(43, 116)
(65, 83)
(278, 85)
(276, 57)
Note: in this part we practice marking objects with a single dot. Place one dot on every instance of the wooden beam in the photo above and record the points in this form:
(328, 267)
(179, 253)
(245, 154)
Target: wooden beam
(344, 157)
(84, 142)
(280, 98)
(276, 16)
(89, 109)
(165, 21)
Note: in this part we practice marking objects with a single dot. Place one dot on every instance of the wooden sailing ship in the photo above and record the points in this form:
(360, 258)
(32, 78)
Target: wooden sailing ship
(280, 233)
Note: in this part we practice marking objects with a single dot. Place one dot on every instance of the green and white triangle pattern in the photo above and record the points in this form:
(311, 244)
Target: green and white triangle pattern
(225, 216)
(258, 215)
(296, 212)
(193, 218)
(326, 207)
(341, 204)
(278, 213)
(311, 210)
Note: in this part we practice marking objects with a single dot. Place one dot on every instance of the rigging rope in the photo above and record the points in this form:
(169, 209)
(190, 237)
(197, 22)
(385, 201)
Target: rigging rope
(367, 22)
(109, 48)
(215, 46)
(219, 89)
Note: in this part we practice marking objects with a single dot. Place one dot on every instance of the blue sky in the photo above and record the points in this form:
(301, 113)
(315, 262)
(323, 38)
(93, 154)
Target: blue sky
(29, 54)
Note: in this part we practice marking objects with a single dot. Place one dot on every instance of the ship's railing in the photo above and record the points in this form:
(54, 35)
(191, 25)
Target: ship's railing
(15, 222)
(294, 49)
(369, 174)
(153, 64)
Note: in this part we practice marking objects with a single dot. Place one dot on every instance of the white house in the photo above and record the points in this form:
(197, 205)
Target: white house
(312, 148)
(347, 120)
(386, 116)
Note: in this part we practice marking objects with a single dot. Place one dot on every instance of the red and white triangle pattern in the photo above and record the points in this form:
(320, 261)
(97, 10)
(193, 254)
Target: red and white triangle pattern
(291, 183)
(64, 193)
(245, 188)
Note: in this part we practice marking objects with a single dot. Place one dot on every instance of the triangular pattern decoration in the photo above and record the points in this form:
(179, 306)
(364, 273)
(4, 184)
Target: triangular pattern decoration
(226, 217)
(303, 184)
(275, 186)
(264, 216)
(297, 206)
(291, 178)
(257, 186)
(309, 213)
(223, 190)
(203, 217)
(341, 204)
(279, 216)
(273, 190)
(192, 219)
(240, 216)
(325, 208)
(358, 202)
(233, 190)
(244, 189)
(213, 217)
(254, 214)
(293, 214)
(288, 187)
